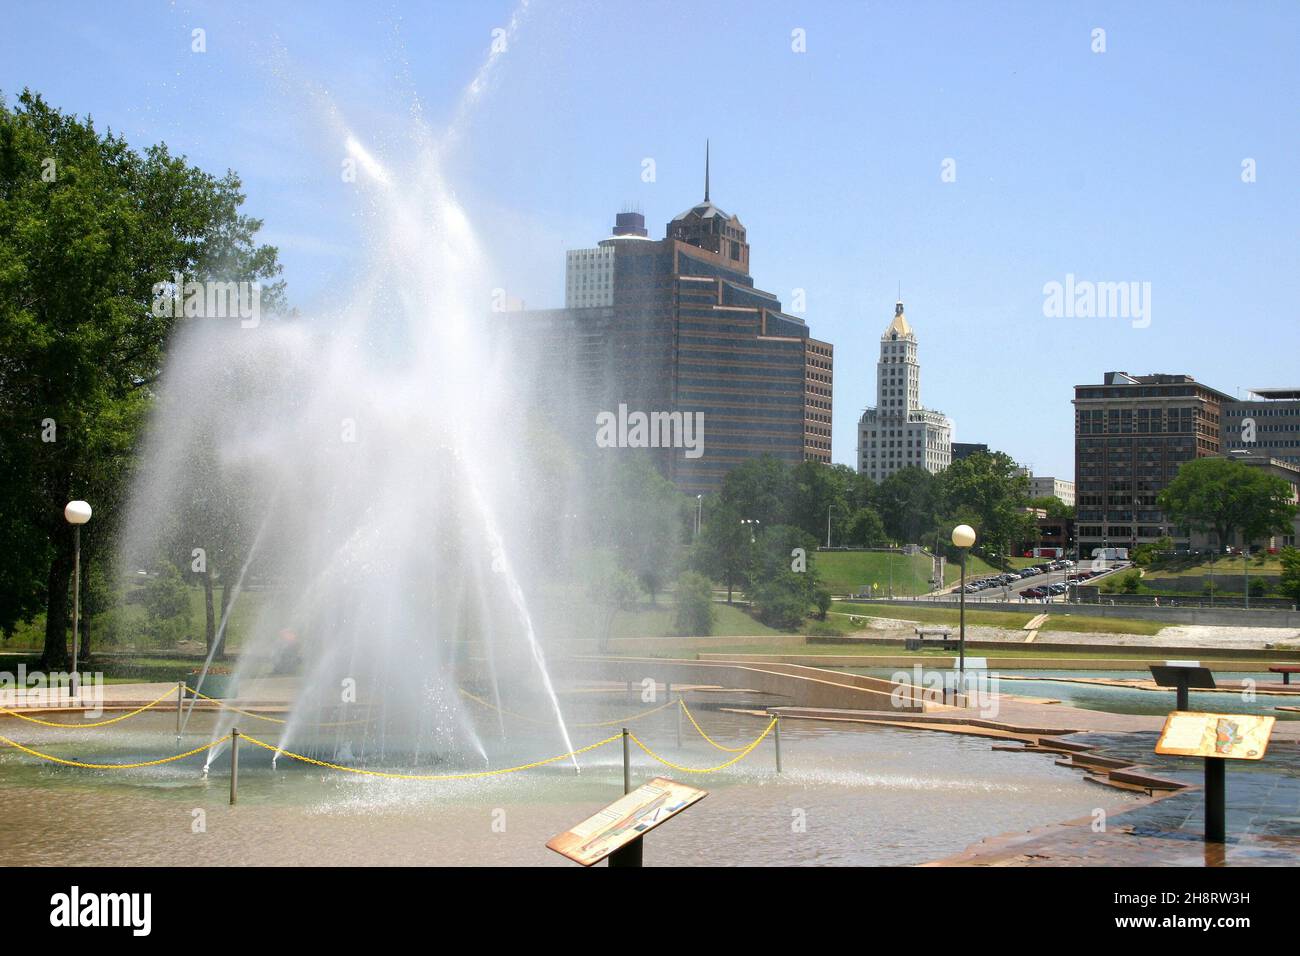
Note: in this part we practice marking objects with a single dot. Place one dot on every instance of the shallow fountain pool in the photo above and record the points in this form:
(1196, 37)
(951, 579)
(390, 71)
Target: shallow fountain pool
(849, 794)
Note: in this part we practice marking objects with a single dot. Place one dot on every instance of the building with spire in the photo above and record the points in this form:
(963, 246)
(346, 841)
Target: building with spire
(899, 432)
(677, 325)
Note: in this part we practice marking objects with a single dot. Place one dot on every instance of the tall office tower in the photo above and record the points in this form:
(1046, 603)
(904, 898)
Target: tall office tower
(677, 326)
(899, 431)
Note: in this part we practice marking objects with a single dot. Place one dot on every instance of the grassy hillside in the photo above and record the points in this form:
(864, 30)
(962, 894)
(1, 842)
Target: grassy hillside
(844, 572)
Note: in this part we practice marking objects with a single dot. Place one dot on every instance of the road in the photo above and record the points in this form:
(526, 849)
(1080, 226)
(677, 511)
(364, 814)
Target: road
(1011, 592)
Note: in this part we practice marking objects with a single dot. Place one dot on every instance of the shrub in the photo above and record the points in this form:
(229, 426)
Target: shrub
(782, 602)
(167, 606)
(822, 598)
(695, 612)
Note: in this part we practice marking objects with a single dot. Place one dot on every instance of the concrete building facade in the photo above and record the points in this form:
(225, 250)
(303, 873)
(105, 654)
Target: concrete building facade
(1266, 425)
(1041, 486)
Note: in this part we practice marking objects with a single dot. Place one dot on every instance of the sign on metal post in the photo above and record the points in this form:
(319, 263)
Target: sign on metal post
(1182, 675)
(626, 819)
(1216, 738)
(1226, 736)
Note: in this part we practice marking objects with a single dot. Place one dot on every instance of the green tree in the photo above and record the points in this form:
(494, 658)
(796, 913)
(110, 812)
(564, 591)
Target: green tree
(758, 490)
(990, 486)
(641, 516)
(1227, 498)
(167, 606)
(1289, 582)
(783, 577)
(1054, 506)
(866, 529)
(695, 614)
(88, 228)
(613, 590)
(725, 548)
(819, 493)
(908, 502)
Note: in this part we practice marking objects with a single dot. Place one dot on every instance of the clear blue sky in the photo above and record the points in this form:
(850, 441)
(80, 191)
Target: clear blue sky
(1115, 166)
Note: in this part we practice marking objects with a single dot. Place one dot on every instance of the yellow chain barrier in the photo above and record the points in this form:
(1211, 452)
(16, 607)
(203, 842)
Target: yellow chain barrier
(740, 752)
(695, 724)
(722, 766)
(274, 720)
(112, 766)
(101, 723)
(224, 706)
(432, 776)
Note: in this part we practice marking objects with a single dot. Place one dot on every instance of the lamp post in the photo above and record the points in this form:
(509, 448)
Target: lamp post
(76, 513)
(963, 536)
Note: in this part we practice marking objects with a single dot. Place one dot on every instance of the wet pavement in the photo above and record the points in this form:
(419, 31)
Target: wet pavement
(1263, 818)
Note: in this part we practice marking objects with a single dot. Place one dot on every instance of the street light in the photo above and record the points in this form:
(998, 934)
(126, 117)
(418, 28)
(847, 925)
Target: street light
(76, 513)
(963, 536)
(699, 512)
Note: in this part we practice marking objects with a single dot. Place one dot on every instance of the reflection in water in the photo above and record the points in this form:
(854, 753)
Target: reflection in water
(1130, 700)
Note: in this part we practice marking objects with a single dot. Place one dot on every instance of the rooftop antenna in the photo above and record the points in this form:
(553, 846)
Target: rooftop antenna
(706, 170)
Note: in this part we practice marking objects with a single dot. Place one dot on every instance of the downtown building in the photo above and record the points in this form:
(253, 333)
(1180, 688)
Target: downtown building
(899, 432)
(677, 327)
(1131, 435)
(1045, 486)
(1267, 425)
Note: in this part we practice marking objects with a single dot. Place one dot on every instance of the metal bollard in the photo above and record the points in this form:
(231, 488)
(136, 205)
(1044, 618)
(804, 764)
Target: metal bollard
(180, 702)
(776, 730)
(628, 855)
(234, 764)
(680, 704)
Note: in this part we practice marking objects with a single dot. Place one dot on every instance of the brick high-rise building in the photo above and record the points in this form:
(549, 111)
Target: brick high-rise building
(1131, 435)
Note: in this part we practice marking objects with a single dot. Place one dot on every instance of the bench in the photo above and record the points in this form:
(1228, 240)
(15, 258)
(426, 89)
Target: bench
(929, 636)
(1286, 672)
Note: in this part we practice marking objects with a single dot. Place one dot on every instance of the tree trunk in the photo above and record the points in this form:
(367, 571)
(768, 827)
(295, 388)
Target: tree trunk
(58, 615)
(227, 592)
(209, 615)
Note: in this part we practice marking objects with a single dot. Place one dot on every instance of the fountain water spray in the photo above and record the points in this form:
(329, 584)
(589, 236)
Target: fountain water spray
(355, 473)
